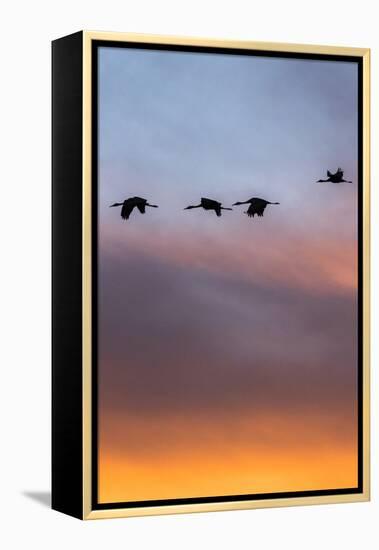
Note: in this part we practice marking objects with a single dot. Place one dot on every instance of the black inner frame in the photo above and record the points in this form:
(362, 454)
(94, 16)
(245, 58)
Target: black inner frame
(94, 245)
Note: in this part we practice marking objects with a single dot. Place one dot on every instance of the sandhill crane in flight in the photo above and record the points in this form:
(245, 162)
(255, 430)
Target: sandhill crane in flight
(257, 206)
(335, 178)
(129, 204)
(209, 204)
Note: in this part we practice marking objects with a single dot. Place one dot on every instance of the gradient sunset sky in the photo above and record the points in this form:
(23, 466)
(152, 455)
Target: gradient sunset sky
(227, 346)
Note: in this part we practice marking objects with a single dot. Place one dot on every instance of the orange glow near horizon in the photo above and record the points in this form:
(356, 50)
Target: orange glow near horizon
(172, 457)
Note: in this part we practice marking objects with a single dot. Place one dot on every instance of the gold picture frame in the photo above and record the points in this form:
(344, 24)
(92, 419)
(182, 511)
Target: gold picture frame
(81, 375)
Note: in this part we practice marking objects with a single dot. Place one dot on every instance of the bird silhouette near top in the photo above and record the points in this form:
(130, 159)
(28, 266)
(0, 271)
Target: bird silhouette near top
(335, 178)
(257, 206)
(129, 204)
(209, 204)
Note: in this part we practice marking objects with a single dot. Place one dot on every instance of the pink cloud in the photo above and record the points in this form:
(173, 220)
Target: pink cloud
(308, 262)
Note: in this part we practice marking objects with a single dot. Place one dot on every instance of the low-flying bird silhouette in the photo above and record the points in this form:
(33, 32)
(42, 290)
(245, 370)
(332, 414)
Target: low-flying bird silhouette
(209, 204)
(129, 204)
(335, 178)
(257, 206)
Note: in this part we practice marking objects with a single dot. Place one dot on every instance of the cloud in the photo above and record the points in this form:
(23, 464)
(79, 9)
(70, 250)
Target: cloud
(173, 337)
(285, 256)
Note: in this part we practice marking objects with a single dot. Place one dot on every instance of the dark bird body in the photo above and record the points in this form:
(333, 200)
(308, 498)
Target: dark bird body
(133, 202)
(335, 178)
(209, 204)
(257, 206)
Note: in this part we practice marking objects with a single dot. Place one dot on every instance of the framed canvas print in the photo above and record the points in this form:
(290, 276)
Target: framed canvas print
(210, 275)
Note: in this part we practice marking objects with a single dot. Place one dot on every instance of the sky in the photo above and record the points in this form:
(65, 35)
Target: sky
(227, 346)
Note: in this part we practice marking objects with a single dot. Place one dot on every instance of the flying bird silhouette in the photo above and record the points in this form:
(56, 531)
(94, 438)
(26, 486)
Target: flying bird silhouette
(209, 204)
(257, 206)
(335, 178)
(129, 204)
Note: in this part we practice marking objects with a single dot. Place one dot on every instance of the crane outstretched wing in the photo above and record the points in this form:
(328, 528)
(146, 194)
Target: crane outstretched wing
(209, 203)
(126, 210)
(141, 208)
(256, 207)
